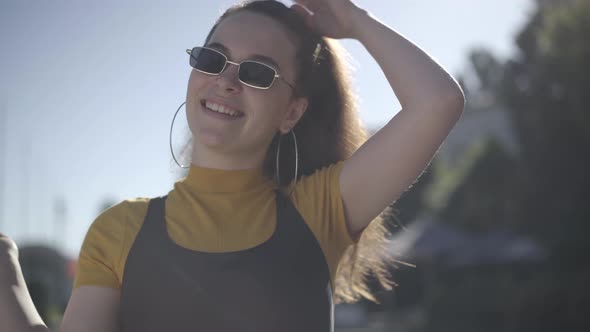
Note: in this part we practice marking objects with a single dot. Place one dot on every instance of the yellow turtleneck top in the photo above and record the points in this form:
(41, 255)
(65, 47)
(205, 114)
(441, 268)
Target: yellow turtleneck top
(216, 211)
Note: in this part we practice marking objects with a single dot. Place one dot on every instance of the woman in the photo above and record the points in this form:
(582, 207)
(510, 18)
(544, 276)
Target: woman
(231, 248)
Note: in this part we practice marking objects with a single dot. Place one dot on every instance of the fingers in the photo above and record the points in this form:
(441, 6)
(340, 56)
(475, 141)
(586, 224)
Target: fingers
(302, 10)
(304, 13)
(303, 2)
(6, 242)
(301, 7)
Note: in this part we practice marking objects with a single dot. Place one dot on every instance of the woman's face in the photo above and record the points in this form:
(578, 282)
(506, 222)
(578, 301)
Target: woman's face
(245, 36)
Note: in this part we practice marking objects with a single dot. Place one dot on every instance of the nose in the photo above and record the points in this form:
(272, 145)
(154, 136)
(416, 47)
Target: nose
(228, 80)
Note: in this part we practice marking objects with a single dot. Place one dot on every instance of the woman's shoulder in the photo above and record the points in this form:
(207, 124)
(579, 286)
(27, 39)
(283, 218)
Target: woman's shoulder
(126, 213)
(312, 194)
(108, 237)
(322, 178)
(126, 208)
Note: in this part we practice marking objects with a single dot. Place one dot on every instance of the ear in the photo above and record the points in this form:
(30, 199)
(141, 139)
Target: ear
(294, 113)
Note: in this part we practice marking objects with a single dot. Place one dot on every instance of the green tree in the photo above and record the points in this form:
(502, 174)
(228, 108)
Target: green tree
(483, 200)
(542, 192)
(546, 90)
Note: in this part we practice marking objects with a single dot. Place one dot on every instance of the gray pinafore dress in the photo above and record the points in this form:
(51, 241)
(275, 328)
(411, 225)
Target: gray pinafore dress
(282, 284)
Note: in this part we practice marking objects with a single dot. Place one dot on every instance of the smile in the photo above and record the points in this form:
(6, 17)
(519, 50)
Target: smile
(221, 109)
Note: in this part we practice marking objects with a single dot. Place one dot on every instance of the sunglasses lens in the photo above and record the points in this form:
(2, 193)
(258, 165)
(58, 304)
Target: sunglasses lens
(207, 60)
(256, 74)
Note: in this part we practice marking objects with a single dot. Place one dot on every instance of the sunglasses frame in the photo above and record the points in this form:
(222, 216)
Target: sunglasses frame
(227, 61)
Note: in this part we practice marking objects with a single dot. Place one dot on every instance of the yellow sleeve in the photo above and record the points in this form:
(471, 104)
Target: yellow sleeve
(106, 245)
(317, 198)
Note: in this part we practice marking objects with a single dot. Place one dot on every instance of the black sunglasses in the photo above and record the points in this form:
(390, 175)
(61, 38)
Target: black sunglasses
(251, 73)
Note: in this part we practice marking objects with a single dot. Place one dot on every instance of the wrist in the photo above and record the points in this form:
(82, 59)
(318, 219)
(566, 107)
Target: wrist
(358, 20)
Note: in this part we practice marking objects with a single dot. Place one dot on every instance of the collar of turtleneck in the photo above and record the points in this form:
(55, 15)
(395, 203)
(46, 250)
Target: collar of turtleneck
(212, 180)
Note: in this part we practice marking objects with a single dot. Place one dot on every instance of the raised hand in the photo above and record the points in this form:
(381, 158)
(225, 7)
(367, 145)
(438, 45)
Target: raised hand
(8, 247)
(8, 257)
(330, 18)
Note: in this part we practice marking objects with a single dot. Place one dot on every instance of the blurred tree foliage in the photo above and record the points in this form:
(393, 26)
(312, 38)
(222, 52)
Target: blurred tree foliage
(484, 198)
(546, 91)
(543, 192)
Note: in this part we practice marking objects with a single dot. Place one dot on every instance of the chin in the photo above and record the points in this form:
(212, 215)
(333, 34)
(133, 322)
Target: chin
(213, 139)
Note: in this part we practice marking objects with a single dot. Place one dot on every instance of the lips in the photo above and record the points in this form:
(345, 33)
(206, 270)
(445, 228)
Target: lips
(221, 108)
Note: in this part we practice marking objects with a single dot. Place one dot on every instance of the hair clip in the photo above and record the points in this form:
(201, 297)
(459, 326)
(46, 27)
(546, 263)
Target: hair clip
(316, 53)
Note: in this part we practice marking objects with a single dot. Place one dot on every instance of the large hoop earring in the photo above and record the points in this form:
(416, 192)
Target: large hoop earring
(296, 157)
(170, 140)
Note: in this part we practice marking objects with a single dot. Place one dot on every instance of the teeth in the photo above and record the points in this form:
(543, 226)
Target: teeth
(221, 109)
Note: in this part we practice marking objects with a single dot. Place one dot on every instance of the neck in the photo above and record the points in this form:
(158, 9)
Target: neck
(203, 156)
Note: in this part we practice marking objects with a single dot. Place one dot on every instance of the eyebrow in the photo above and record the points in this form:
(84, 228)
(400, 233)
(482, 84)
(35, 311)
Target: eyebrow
(258, 57)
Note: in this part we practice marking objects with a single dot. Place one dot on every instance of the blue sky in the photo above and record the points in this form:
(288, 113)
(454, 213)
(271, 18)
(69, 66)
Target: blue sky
(88, 90)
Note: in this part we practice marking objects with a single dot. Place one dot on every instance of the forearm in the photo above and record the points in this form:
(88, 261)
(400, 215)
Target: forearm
(17, 311)
(416, 79)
